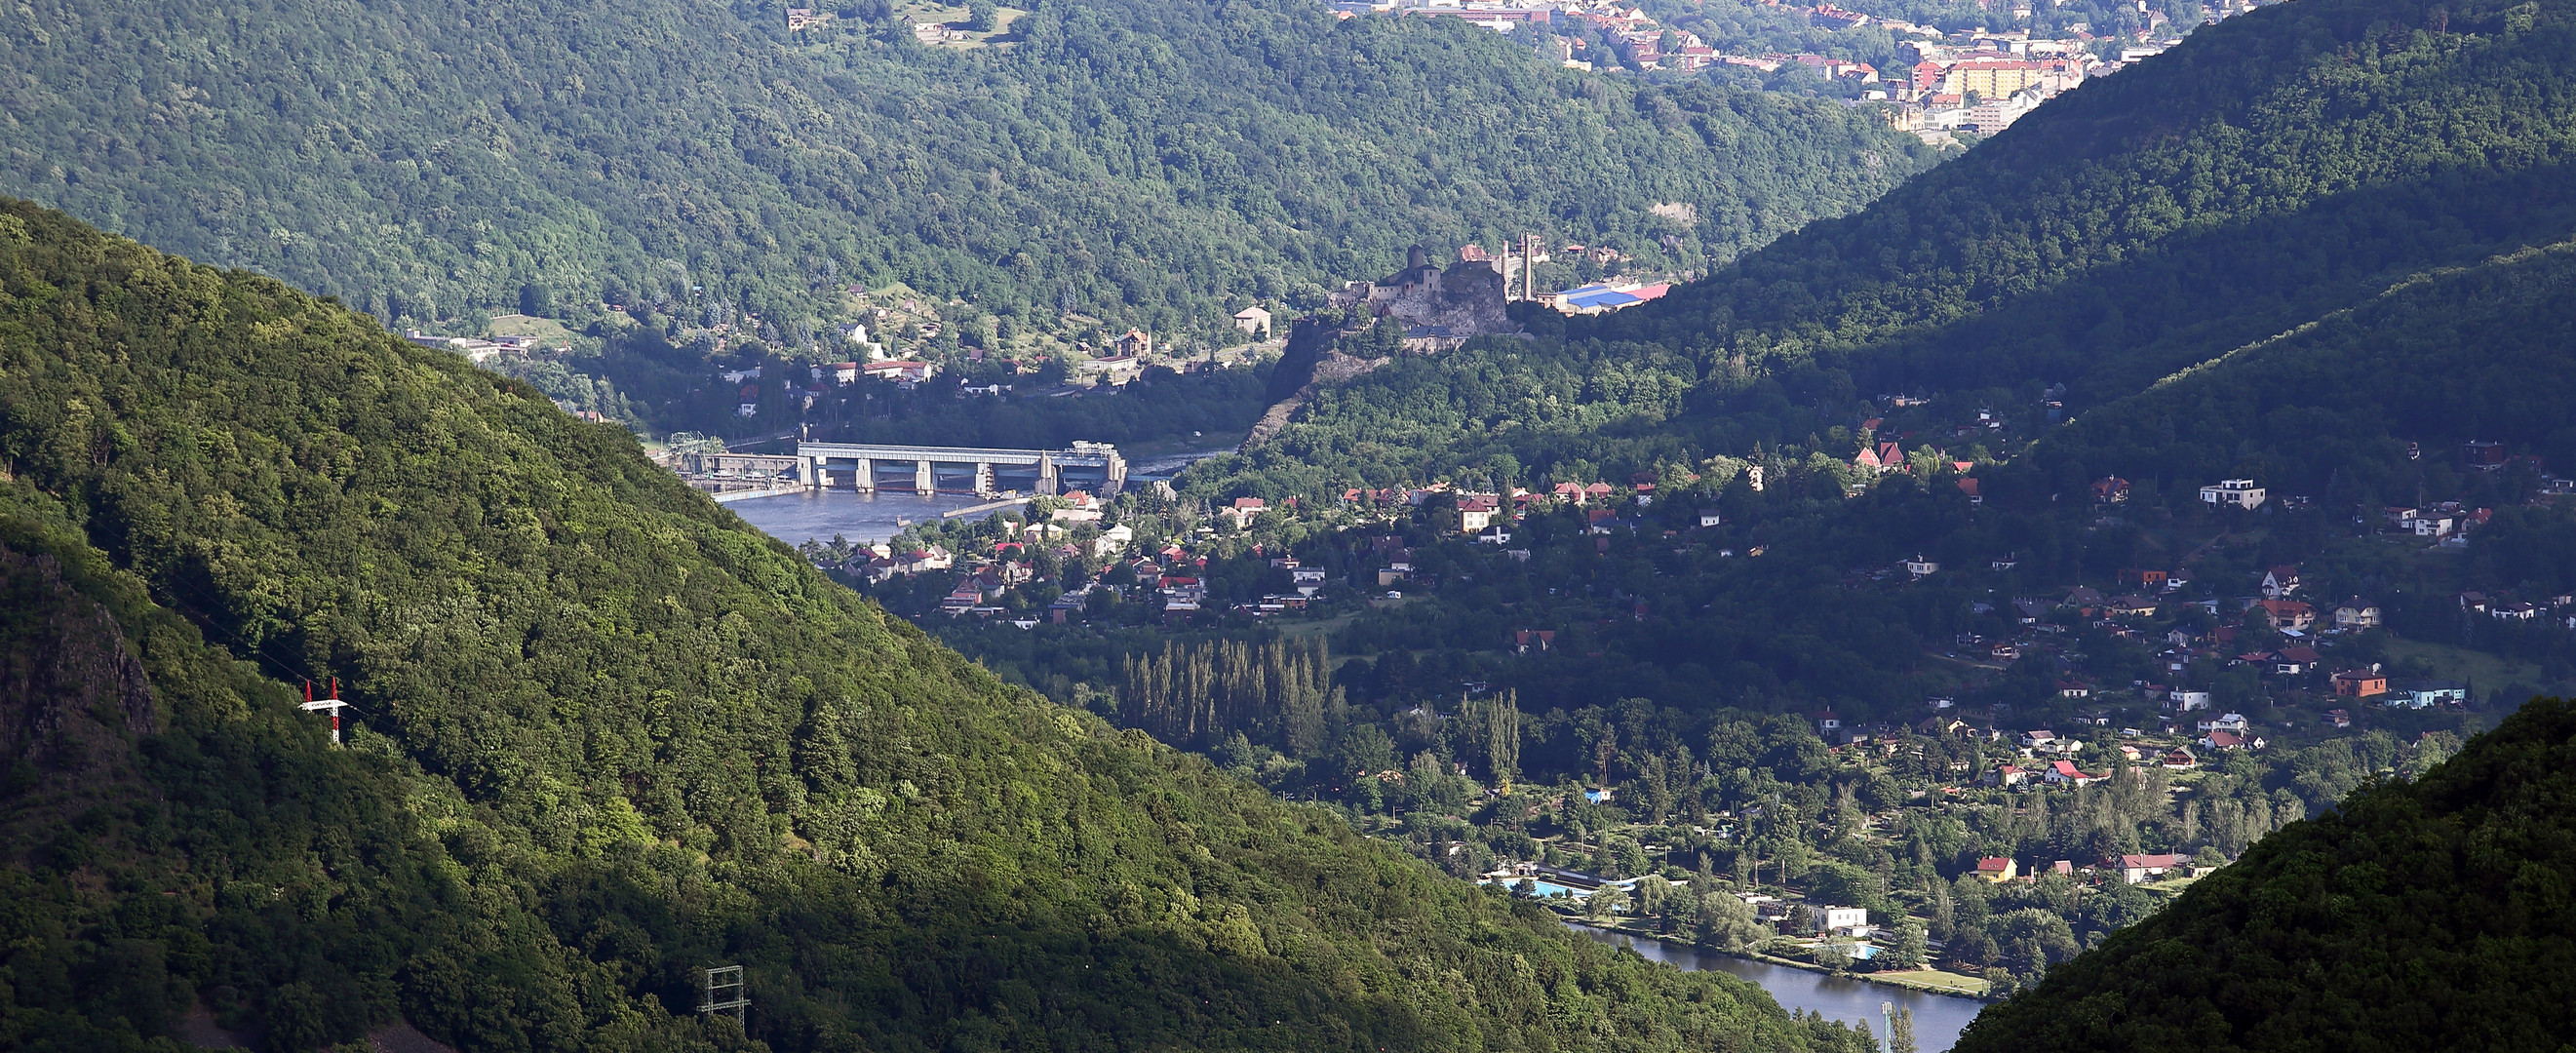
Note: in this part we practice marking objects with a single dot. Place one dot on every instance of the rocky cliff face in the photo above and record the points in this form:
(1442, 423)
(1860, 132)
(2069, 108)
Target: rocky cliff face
(73, 699)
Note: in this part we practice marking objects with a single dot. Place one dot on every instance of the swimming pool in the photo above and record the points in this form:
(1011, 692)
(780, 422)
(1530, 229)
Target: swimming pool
(1551, 890)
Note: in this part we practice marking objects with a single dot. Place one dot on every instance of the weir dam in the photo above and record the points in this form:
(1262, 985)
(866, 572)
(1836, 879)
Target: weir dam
(1091, 466)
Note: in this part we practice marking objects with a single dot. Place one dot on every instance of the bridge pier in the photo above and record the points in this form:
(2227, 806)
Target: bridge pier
(1089, 465)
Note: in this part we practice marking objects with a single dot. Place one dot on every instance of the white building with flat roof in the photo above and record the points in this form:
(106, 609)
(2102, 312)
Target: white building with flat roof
(2236, 493)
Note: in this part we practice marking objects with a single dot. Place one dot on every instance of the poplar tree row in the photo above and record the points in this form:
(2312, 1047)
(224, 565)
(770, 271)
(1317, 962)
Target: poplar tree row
(1197, 693)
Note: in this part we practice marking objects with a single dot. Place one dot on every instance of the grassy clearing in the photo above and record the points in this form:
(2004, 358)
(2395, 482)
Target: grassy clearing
(952, 19)
(2483, 670)
(1934, 980)
(547, 330)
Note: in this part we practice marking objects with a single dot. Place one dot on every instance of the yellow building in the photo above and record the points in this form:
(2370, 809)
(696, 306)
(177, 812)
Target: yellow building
(1992, 79)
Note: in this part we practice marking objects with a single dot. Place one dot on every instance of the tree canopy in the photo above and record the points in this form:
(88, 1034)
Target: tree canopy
(1148, 162)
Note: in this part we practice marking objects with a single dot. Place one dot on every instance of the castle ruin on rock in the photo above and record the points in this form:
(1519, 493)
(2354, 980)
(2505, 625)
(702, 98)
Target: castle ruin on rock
(1440, 307)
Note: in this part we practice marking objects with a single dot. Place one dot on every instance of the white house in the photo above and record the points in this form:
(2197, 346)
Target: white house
(1253, 320)
(2425, 694)
(901, 370)
(1113, 540)
(2233, 493)
(1839, 921)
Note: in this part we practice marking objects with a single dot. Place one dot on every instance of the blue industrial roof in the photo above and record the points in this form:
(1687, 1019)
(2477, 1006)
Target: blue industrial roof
(1599, 297)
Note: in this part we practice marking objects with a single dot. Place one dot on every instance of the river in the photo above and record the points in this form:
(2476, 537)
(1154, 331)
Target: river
(818, 514)
(1938, 1019)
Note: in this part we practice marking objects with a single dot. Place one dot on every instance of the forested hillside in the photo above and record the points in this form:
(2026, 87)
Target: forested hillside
(2329, 408)
(1153, 162)
(604, 736)
(2268, 172)
(2431, 914)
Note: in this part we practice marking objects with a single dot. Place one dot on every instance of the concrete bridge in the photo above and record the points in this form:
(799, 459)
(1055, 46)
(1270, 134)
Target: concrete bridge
(1092, 466)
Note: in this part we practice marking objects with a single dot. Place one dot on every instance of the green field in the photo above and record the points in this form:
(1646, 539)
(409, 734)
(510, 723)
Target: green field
(2480, 669)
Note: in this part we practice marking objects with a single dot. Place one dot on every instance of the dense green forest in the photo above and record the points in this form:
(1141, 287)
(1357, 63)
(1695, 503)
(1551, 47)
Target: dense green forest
(1156, 163)
(605, 735)
(2328, 408)
(2431, 914)
(2271, 168)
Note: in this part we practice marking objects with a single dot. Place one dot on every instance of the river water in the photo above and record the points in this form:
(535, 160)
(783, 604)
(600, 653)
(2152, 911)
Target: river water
(1938, 1019)
(819, 514)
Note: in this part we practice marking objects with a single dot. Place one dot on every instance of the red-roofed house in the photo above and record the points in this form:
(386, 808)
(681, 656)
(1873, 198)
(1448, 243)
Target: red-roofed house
(1245, 510)
(1476, 512)
(2288, 614)
(1998, 869)
(2229, 740)
(2134, 869)
(2064, 773)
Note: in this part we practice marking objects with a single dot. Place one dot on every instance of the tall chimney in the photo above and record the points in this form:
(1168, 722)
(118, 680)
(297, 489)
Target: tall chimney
(1529, 266)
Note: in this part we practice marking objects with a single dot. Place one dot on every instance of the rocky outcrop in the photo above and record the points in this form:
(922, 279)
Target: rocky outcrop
(1311, 359)
(73, 700)
(1467, 300)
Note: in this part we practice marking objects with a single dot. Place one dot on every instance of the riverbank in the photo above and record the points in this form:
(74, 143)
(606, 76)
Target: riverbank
(755, 493)
(1929, 981)
(1939, 1016)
